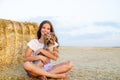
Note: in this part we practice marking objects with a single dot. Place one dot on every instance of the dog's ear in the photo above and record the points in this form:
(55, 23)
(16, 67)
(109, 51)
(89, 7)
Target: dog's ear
(45, 36)
(54, 36)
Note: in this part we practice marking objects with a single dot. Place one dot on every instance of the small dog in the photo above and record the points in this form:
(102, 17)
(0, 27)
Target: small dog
(49, 45)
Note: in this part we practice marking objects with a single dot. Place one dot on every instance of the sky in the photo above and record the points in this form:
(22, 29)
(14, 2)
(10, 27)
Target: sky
(76, 22)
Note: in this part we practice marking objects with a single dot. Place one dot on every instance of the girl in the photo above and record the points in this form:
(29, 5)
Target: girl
(36, 45)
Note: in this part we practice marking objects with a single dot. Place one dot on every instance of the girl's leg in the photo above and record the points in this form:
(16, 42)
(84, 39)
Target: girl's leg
(62, 67)
(37, 71)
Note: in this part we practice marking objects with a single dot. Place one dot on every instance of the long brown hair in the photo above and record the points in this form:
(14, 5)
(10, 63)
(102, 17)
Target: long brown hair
(40, 27)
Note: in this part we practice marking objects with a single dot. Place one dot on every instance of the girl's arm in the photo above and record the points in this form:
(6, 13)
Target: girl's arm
(30, 58)
(47, 54)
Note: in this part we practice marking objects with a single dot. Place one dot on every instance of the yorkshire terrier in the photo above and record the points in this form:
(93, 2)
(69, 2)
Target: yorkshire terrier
(49, 45)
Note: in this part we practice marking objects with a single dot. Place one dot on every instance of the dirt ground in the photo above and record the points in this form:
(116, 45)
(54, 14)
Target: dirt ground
(92, 63)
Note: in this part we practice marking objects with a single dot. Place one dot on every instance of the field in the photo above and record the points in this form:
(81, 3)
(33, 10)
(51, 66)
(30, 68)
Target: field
(90, 63)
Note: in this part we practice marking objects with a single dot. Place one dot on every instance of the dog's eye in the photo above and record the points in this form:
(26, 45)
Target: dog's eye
(48, 38)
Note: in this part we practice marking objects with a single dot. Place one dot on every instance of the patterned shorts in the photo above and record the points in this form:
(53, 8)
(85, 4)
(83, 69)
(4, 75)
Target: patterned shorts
(47, 67)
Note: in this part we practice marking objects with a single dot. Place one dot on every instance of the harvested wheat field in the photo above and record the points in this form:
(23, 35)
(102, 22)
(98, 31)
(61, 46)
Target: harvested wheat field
(90, 63)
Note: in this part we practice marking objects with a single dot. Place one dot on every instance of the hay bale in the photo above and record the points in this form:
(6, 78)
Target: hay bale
(13, 39)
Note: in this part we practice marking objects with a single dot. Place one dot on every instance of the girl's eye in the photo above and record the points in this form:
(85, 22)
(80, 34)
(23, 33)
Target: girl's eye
(48, 28)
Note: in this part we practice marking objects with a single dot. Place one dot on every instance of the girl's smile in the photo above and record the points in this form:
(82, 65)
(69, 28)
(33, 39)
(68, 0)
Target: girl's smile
(45, 29)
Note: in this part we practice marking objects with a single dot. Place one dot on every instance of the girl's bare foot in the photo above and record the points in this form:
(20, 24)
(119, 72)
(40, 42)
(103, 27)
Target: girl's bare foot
(43, 78)
(66, 78)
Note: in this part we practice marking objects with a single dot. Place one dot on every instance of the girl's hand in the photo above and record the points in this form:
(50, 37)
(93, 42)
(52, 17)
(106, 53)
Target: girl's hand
(44, 59)
(38, 51)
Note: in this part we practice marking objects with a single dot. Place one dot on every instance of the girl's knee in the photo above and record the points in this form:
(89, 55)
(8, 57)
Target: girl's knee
(26, 66)
(70, 65)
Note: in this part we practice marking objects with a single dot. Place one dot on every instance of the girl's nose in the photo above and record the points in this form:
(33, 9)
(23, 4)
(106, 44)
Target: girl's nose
(46, 31)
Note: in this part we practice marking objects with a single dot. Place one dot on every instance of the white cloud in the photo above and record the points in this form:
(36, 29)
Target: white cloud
(72, 17)
(89, 29)
(111, 40)
(107, 35)
(83, 10)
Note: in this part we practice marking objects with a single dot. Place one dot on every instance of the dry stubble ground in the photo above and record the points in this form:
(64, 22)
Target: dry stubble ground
(90, 63)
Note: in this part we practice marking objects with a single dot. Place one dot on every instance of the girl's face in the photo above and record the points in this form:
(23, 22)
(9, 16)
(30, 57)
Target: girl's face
(45, 29)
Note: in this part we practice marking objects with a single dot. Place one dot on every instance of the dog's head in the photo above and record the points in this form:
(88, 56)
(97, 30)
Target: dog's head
(49, 39)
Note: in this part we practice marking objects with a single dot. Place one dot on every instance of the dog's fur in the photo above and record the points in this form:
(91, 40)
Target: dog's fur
(49, 45)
